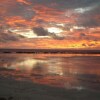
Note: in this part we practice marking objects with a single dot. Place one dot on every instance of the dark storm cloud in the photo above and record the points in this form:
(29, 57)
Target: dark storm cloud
(40, 31)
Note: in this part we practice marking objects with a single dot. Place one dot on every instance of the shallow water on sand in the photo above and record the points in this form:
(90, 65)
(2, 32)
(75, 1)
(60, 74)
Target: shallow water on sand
(68, 71)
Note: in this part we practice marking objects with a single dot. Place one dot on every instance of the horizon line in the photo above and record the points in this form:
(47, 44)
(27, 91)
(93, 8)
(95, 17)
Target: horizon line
(65, 51)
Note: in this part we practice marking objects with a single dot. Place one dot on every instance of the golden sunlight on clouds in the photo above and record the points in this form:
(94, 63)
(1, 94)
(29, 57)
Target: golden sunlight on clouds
(52, 43)
(26, 33)
(23, 1)
(54, 30)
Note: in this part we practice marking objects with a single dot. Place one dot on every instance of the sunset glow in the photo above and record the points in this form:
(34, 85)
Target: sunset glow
(54, 30)
(50, 24)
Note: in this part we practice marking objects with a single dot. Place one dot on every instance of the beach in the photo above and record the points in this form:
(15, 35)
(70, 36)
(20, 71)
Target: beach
(49, 77)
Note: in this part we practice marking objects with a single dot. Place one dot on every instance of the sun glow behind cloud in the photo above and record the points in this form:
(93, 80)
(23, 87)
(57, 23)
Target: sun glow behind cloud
(54, 30)
(26, 33)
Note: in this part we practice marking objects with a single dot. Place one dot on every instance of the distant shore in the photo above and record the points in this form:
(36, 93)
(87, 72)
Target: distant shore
(46, 51)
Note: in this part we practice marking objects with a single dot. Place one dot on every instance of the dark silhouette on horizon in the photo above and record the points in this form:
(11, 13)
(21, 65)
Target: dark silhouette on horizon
(65, 51)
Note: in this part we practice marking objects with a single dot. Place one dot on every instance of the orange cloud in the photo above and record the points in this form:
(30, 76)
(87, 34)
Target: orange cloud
(52, 43)
(42, 13)
(51, 15)
(18, 21)
(24, 1)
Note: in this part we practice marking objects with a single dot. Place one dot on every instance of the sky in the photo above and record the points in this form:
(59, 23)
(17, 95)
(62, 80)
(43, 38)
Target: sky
(50, 24)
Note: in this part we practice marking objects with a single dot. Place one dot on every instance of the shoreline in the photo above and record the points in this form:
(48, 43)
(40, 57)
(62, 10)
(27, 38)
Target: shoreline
(50, 51)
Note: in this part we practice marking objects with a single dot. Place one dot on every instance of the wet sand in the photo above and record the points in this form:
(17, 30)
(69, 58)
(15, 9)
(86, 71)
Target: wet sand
(25, 90)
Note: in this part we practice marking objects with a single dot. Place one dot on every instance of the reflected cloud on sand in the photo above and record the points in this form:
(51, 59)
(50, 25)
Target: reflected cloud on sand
(70, 72)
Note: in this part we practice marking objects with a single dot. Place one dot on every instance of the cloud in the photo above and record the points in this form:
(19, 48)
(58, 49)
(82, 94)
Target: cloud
(34, 10)
(82, 34)
(51, 43)
(65, 4)
(39, 15)
(9, 36)
(48, 14)
(56, 37)
(40, 31)
(24, 2)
